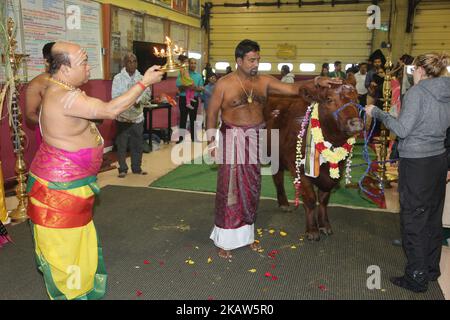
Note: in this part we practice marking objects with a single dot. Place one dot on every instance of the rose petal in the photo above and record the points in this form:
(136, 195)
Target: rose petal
(252, 270)
(323, 287)
(274, 278)
(267, 274)
(146, 262)
(139, 293)
(293, 247)
(209, 260)
(283, 234)
(271, 231)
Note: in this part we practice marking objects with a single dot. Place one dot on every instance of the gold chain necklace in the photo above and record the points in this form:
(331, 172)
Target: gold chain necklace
(62, 84)
(249, 96)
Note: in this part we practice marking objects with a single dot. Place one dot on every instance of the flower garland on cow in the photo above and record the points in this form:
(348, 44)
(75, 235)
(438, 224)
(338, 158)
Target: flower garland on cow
(330, 154)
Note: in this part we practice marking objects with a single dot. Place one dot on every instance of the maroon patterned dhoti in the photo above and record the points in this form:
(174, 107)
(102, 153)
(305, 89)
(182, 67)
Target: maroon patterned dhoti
(238, 186)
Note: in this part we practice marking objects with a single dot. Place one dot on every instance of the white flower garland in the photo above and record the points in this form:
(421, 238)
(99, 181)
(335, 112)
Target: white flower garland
(332, 156)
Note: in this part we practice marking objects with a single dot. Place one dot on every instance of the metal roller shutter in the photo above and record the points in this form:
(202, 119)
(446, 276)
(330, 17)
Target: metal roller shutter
(431, 27)
(318, 36)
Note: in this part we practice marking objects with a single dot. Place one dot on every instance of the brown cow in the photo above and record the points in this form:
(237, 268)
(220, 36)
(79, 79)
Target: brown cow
(291, 111)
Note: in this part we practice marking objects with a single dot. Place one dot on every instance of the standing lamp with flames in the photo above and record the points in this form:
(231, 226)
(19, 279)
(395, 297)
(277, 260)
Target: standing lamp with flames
(10, 92)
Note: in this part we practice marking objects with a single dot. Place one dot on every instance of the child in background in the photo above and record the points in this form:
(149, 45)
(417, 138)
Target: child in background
(186, 80)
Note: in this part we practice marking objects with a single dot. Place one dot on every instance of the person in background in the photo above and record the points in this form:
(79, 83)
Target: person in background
(207, 93)
(35, 92)
(360, 77)
(337, 73)
(206, 73)
(130, 123)
(377, 61)
(286, 75)
(197, 88)
(186, 81)
(325, 70)
(421, 128)
(374, 85)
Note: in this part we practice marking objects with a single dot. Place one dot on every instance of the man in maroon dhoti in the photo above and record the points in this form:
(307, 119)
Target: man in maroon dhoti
(240, 96)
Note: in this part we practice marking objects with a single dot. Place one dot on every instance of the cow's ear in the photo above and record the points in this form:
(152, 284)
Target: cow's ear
(351, 79)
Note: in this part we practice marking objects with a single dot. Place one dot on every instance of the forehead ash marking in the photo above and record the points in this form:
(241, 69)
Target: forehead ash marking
(80, 57)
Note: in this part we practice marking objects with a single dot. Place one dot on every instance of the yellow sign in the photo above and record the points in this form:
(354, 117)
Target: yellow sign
(287, 51)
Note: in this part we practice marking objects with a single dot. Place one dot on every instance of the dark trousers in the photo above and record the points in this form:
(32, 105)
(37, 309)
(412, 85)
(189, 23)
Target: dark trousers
(184, 112)
(362, 98)
(129, 135)
(422, 193)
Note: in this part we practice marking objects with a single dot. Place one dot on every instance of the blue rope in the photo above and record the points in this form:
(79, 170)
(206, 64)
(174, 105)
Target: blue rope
(366, 157)
(365, 153)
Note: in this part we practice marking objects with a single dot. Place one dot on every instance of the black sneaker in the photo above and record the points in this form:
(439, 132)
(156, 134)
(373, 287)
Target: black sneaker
(408, 284)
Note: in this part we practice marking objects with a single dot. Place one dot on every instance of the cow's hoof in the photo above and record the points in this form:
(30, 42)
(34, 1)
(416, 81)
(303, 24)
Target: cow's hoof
(326, 231)
(313, 236)
(286, 208)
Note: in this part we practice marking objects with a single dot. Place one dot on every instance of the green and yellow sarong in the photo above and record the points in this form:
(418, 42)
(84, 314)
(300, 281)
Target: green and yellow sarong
(61, 188)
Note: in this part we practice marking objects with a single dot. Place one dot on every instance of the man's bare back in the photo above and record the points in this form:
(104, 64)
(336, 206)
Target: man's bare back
(62, 131)
(34, 95)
